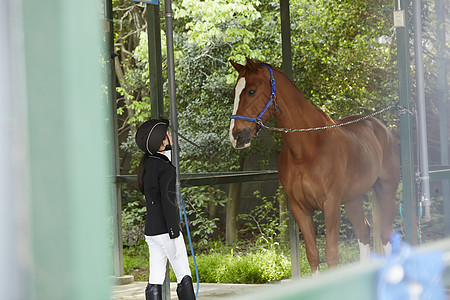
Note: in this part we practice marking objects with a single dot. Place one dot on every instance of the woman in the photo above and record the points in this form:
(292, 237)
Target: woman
(156, 180)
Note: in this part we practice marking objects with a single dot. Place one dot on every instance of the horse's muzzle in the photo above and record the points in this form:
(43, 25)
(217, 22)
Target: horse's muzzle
(241, 139)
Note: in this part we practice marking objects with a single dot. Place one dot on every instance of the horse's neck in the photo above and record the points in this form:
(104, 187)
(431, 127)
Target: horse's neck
(295, 111)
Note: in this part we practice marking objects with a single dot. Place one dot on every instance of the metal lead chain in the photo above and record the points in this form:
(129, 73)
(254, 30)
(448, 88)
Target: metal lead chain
(287, 130)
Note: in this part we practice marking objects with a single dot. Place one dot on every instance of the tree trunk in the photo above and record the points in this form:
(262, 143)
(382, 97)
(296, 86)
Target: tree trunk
(234, 194)
(232, 209)
(212, 208)
(284, 212)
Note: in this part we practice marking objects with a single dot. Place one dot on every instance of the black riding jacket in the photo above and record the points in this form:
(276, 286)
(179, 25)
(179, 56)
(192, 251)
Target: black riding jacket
(163, 214)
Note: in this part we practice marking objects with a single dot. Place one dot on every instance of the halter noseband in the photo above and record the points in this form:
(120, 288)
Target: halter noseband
(258, 119)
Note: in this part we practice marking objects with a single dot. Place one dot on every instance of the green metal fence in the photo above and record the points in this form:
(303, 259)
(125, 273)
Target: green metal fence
(69, 150)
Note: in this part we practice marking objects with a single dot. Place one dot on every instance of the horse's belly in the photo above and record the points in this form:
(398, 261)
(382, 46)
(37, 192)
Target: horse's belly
(315, 188)
(358, 184)
(344, 178)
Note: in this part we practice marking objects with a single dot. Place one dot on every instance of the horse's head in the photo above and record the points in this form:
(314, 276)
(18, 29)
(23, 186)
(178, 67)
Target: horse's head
(253, 95)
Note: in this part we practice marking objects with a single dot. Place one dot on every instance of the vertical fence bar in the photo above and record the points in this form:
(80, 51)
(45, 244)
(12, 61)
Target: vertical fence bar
(172, 104)
(421, 110)
(156, 87)
(287, 69)
(155, 61)
(286, 38)
(443, 105)
(68, 151)
(401, 21)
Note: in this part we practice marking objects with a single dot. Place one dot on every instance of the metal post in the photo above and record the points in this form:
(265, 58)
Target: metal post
(421, 110)
(286, 38)
(15, 254)
(401, 24)
(172, 91)
(156, 89)
(442, 88)
(172, 98)
(287, 69)
(155, 61)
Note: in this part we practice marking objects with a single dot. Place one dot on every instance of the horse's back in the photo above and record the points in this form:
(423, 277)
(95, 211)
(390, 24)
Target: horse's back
(367, 127)
(376, 133)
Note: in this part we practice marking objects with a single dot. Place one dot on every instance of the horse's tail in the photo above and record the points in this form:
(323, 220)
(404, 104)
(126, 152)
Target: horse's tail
(377, 223)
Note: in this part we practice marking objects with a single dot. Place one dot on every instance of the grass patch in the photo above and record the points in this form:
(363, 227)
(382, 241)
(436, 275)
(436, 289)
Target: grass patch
(235, 265)
(135, 261)
(258, 267)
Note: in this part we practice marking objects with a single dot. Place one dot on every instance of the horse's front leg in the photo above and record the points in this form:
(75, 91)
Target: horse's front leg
(305, 222)
(332, 213)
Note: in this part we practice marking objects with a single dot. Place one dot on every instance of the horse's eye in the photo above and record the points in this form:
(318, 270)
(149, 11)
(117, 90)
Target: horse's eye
(251, 93)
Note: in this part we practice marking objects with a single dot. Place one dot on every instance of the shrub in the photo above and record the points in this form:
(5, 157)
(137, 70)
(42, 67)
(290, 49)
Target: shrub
(197, 201)
(259, 267)
(135, 261)
(133, 221)
(265, 220)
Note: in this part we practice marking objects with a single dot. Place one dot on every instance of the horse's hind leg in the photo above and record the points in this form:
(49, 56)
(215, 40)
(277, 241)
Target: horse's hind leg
(385, 191)
(384, 206)
(355, 213)
(332, 213)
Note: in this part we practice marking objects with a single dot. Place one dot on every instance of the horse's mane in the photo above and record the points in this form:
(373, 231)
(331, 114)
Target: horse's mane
(322, 112)
(325, 115)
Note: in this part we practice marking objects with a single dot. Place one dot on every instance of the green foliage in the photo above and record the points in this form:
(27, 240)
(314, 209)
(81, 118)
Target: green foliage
(264, 221)
(339, 62)
(259, 267)
(197, 201)
(210, 21)
(133, 220)
(223, 264)
(135, 261)
(129, 145)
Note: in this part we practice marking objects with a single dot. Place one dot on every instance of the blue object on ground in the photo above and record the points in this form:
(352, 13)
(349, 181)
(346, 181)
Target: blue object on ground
(409, 274)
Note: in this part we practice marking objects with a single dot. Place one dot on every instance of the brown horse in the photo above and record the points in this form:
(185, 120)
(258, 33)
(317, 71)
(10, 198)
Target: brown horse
(320, 169)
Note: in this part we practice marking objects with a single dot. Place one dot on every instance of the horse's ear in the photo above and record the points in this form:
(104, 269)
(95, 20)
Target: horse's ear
(249, 61)
(251, 64)
(237, 66)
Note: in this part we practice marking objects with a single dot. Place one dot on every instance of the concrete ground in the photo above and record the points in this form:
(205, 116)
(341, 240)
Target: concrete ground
(135, 290)
(208, 291)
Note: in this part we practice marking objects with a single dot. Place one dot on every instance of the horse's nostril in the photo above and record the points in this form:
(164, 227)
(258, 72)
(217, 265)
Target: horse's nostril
(242, 139)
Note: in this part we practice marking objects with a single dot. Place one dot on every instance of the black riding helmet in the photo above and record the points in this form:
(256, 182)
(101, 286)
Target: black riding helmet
(150, 135)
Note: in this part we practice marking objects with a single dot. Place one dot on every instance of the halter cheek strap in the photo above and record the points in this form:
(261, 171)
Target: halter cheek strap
(258, 119)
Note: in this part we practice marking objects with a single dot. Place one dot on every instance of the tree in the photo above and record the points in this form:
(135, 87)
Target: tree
(342, 53)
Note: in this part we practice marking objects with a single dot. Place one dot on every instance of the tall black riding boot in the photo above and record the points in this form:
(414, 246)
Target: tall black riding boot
(185, 290)
(153, 292)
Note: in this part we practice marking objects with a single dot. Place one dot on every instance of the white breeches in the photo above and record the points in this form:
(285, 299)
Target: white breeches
(161, 249)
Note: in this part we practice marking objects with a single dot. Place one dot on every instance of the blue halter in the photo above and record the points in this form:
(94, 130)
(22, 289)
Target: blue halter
(258, 119)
